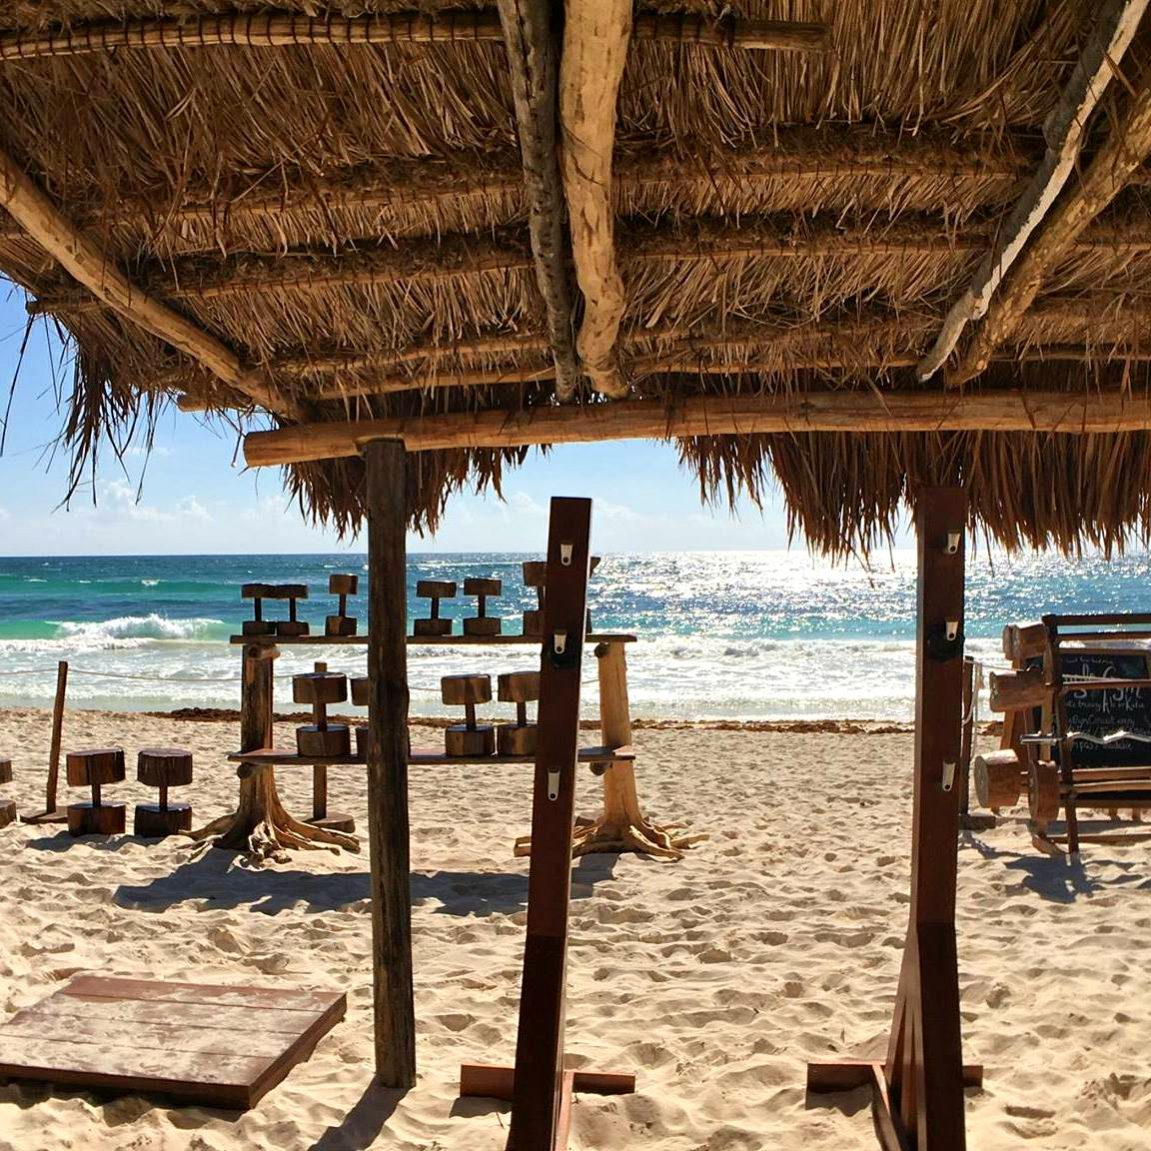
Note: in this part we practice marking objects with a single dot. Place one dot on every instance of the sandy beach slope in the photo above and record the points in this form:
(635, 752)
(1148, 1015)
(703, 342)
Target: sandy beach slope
(713, 979)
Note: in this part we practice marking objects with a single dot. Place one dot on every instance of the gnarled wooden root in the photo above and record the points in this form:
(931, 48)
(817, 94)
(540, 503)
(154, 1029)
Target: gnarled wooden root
(261, 829)
(603, 837)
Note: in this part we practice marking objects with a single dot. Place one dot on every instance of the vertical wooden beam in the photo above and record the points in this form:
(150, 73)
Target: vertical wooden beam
(388, 834)
(537, 1106)
(918, 1099)
(597, 34)
(533, 63)
(257, 711)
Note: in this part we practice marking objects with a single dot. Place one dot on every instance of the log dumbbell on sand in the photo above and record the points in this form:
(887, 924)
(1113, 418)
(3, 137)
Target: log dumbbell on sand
(94, 768)
(483, 624)
(468, 738)
(163, 767)
(319, 689)
(341, 623)
(520, 688)
(999, 779)
(7, 806)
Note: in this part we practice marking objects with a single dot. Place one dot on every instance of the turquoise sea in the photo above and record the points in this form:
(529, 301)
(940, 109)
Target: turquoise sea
(754, 635)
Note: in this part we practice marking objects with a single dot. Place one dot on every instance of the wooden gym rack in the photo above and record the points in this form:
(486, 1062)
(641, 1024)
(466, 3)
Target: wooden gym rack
(918, 1088)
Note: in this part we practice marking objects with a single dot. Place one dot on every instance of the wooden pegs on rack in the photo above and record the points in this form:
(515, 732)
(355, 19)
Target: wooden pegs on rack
(468, 738)
(520, 688)
(361, 686)
(7, 806)
(483, 624)
(163, 767)
(319, 689)
(535, 576)
(435, 590)
(343, 586)
(93, 769)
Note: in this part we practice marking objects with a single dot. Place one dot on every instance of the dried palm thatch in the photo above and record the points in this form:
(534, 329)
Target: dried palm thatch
(337, 198)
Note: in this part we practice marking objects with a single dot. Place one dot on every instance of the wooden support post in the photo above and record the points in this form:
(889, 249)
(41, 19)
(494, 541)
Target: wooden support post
(52, 813)
(918, 1091)
(540, 1088)
(388, 833)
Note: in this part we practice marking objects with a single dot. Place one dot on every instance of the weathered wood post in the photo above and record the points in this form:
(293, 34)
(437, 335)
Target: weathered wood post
(918, 1091)
(395, 1019)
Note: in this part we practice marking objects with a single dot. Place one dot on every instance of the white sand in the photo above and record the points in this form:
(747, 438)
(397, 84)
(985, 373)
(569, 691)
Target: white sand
(713, 979)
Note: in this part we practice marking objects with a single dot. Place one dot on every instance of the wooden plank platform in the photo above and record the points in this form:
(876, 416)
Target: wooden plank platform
(422, 757)
(416, 640)
(213, 1045)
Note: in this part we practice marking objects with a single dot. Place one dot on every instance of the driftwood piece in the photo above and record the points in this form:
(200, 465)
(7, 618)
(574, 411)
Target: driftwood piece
(1065, 131)
(1014, 410)
(534, 68)
(1125, 149)
(97, 271)
(597, 34)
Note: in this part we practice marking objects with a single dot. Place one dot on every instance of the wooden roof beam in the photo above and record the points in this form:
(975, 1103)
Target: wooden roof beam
(534, 66)
(597, 34)
(1065, 132)
(843, 410)
(92, 267)
(1127, 146)
(796, 153)
(421, 261)
(464, 26)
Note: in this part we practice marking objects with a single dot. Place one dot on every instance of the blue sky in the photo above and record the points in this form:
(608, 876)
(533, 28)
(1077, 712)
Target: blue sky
(196, 499)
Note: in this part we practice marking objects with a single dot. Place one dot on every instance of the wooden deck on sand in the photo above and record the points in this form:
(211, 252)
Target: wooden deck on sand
(213, 1045)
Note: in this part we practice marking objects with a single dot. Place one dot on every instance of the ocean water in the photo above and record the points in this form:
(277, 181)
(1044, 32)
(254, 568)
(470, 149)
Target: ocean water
(749, 635)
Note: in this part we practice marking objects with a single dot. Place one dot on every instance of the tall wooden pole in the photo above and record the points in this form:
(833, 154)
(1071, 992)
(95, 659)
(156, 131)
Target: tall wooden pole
(394, 997)
(919, 1089)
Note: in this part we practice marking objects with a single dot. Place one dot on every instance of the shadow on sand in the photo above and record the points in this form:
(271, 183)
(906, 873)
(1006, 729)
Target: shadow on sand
(214, 880)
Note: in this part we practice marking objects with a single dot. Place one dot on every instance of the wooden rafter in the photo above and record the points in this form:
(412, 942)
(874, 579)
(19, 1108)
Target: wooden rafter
(463, 26)
(1065, 131)
(842, 410)
(1126, 147)
(423, 261)
(84, 260)
(597, 34)
(534, 68)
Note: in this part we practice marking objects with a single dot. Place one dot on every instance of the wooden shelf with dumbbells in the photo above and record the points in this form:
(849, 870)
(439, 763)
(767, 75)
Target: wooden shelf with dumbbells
(1043, 755)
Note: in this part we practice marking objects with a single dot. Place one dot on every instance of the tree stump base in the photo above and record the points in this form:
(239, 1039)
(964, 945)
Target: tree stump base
(261, 829)
(605, 836)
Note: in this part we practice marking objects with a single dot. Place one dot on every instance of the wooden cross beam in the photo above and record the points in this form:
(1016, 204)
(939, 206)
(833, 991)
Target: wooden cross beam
(918, 1089)
(539, 1087)
(1014, 410)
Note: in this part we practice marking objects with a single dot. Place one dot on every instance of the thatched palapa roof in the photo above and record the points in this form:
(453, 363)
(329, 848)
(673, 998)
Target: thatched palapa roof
(864, 244)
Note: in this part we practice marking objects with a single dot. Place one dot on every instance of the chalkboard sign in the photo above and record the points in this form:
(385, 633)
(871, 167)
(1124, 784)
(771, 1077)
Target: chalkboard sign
(1103, 712)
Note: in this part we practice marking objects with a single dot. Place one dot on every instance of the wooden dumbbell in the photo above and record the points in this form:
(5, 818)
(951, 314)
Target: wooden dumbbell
(342, 586)
(535, 576)
(163, 767)
(483, 624)
(999, 779)
(1044, 795)
(257, 625)
(435, 590)
(360, 687)
(520, 688)
(320, 688)
(7, 806)
(93, 769)
(468, 738)
(293, 593)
